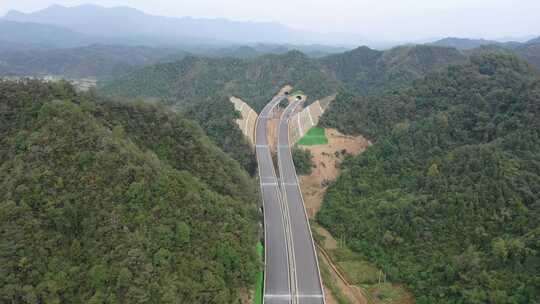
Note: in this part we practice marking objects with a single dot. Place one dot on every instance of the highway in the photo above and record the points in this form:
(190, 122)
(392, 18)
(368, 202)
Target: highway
(308, 285)
(277, 273)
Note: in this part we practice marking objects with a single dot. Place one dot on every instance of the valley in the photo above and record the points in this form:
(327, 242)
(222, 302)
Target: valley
(152, 157)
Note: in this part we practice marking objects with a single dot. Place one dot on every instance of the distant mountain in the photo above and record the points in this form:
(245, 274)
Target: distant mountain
(121, 23)
(532, 41)
(20, 35)
(94, 60)
(129, 23)
(530, 52)
(250, 51)
(462, 43)
(363, 69)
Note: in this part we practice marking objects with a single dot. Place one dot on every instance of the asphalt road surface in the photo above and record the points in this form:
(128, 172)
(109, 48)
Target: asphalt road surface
(277, 288)
(307, 283)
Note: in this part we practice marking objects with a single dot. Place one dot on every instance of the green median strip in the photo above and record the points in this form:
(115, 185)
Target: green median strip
(260, 278)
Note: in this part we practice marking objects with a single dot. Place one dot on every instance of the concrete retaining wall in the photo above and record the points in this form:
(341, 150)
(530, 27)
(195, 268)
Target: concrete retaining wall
(306, 119)
(248, 118)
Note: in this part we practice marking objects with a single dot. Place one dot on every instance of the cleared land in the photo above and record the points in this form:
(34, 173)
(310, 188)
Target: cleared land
(327, 159)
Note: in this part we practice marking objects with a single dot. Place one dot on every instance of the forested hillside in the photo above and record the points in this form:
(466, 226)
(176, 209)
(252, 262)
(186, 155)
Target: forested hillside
(94, 60)
(365, 70)
(217, 116)
(21, 35)
(527, 51)
(447, 200)
(463, 43)
(530, 52)
(108, 202)
(255, 80)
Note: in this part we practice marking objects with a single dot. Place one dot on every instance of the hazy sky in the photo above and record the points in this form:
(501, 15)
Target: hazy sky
(403, 20)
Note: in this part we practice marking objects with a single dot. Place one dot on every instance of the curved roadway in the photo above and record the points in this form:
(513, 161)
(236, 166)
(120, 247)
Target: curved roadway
(277, 271)
(291, 266)
(308, 283)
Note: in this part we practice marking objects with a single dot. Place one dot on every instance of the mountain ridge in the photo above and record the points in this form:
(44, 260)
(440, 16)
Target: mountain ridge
(130, 22)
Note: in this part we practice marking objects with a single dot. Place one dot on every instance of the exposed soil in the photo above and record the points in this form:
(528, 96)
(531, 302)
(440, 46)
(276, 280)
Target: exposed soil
(327, 159)
(329, 297)
(246, 297)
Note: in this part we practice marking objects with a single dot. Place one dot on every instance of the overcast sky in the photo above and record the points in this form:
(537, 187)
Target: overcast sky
(402, 20)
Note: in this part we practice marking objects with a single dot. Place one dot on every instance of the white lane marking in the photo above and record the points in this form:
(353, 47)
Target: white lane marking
(287, 296)
(319, 103)
(300, 126)
(293, 281)
(309, 115)
(295, 292)
(269, 184)
(284, 296)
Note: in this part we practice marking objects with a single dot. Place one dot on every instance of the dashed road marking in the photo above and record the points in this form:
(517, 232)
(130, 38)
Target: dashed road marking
(286, 296)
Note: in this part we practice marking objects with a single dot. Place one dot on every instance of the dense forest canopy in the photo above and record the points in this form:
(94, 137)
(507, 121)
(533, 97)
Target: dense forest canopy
(364, 70)
(108, 202)
(447, 200)
(255, 80)
(217, 117)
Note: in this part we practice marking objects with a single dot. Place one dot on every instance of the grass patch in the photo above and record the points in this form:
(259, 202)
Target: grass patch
(315, 136)
(329, 282)
(258, 298)
(298, 94)
(360, 272)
